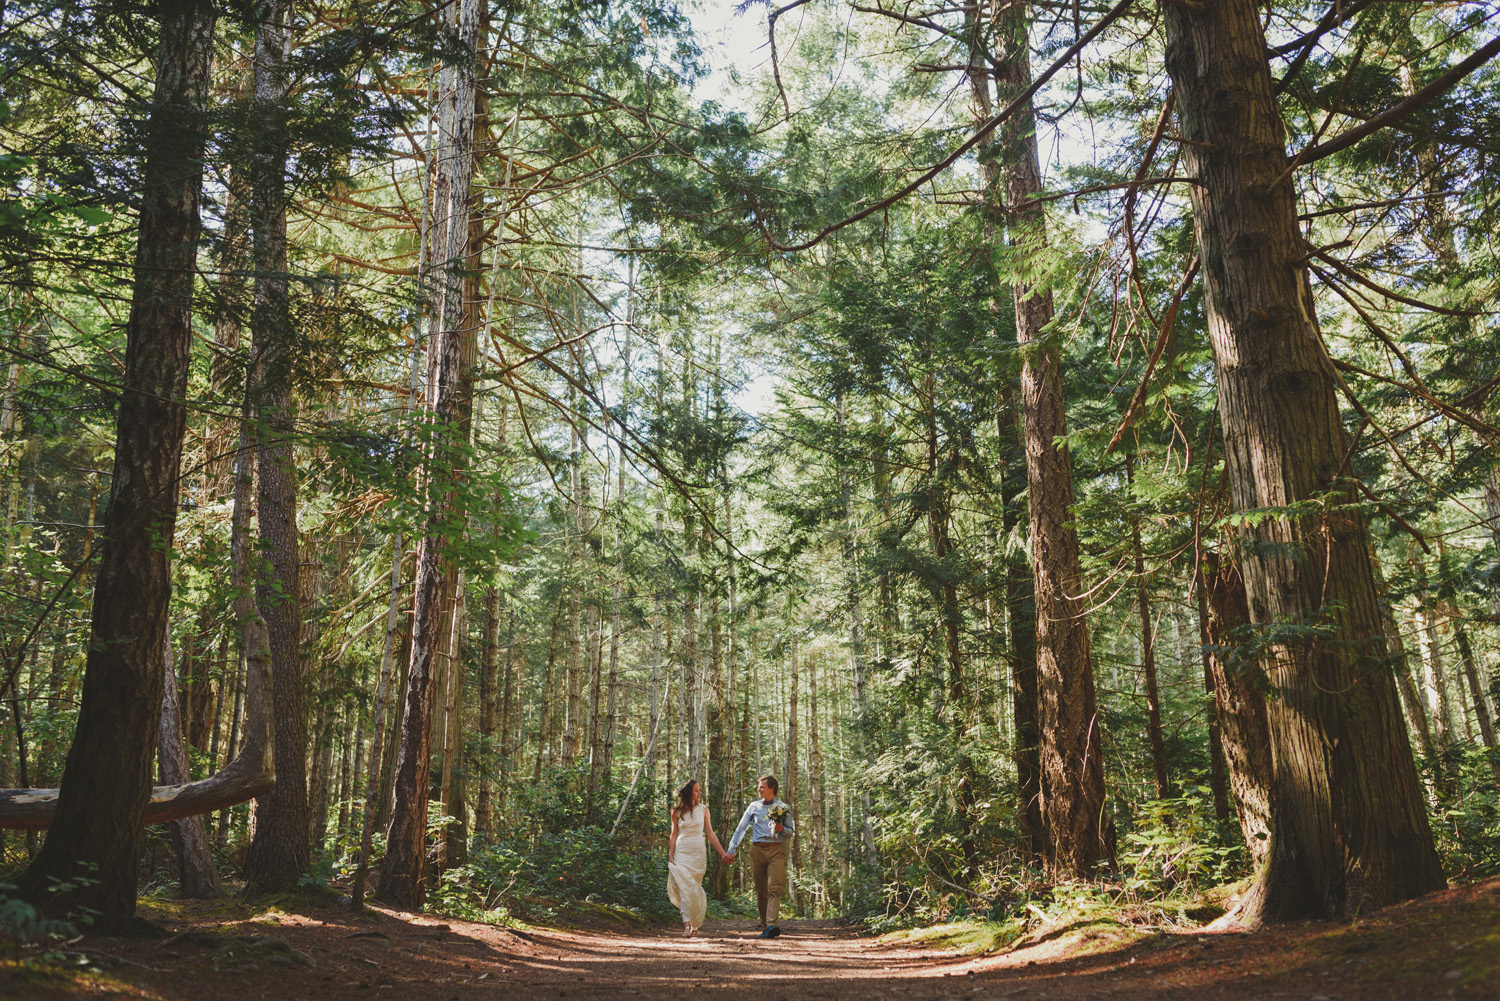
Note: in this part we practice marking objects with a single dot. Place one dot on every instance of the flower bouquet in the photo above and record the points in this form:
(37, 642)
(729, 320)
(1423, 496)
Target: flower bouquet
(778, 813)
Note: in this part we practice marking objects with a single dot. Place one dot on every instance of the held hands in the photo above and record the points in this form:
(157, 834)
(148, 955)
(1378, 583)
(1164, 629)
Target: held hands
(727, 857)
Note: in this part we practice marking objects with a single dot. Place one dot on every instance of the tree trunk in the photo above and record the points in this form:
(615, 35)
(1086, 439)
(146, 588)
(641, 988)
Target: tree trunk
(1218, 778)
(1148, 653)
(1348, 829)
(251, 770)
(512, 726)
(278, 853)
(199, 880)
(1072, 761)
(106, 780)
(1411, 698)
(854, 608)
(488, 667)
(1239, 702)
(374, 780)
(455, 836)
(1439, 705)
(401, 876)
(1476, 692)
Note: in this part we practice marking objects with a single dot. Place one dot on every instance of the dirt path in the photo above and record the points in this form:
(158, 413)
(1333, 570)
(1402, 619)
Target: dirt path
(1445, 946)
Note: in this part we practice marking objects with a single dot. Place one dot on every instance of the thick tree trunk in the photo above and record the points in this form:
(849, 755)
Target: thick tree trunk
(278, 853)
(401, 876)
(1348, 828)
(1072, 763)
(106, 781)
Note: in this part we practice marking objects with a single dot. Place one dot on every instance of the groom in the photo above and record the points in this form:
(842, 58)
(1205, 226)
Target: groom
(767, 851)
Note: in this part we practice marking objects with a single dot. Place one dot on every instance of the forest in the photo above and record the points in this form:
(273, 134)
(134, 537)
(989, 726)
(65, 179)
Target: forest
(1056, 439)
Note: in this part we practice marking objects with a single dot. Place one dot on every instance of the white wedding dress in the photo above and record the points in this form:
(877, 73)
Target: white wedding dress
(685, 873)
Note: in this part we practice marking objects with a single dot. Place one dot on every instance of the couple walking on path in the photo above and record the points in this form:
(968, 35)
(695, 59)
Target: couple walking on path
(769, 822)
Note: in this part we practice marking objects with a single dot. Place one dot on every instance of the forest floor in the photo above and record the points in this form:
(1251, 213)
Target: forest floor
(1445, 945)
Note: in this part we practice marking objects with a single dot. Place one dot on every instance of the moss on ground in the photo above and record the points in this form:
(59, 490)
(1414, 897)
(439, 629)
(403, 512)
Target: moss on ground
(971, 936)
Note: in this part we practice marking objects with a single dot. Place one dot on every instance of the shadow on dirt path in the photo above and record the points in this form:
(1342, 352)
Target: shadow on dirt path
(1447, 945)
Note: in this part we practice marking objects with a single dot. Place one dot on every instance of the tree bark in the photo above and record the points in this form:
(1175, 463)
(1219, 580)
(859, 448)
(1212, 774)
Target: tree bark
(401, 876)
(1072, 750)
(278, 853)
(858, 668)
(198, 879)
(1148, 653)
(488, 669)
(106, 781)
(1348, 829)
(1476, 692)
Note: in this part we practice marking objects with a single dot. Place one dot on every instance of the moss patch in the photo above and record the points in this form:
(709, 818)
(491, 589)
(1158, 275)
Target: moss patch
(968, 936)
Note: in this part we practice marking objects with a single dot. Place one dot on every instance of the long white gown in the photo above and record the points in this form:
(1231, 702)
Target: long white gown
(685, 873)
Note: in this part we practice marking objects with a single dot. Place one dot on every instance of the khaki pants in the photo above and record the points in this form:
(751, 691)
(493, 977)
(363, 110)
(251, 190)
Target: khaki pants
(768, 869)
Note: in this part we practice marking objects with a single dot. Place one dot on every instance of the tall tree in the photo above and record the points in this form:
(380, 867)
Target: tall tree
(280, 849)
(107, 779)
(1347, 825)
(1072, 748)
(401, 876)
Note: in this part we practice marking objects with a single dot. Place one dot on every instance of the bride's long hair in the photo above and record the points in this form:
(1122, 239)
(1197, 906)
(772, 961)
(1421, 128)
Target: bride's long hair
(684, 804)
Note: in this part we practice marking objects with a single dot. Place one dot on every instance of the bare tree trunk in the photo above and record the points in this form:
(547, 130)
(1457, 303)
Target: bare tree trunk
(1348, 828)
(544, 727)
(513, 730)
(573, 678)
(489, 665)
(199, 880)
(854, 607)
(1411, 698)
(373, 783)
(1476, 692)
(692, 682)
(279, 851)
(1439, 705)
(1148, 653)
(1072, 751)
(106, 781)
(454, 849)
(402, 875)
(1218, 768)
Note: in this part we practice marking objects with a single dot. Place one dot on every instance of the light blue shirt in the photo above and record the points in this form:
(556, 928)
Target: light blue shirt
(758, 814)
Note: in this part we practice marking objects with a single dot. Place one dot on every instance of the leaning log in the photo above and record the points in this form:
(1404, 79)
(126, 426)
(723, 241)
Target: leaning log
(33, 809)
(252, 773)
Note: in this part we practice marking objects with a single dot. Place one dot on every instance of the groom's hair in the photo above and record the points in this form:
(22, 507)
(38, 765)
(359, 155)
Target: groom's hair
(770, 780)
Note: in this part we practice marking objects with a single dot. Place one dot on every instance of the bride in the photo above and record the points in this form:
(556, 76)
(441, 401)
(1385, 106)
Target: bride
(687, 857)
